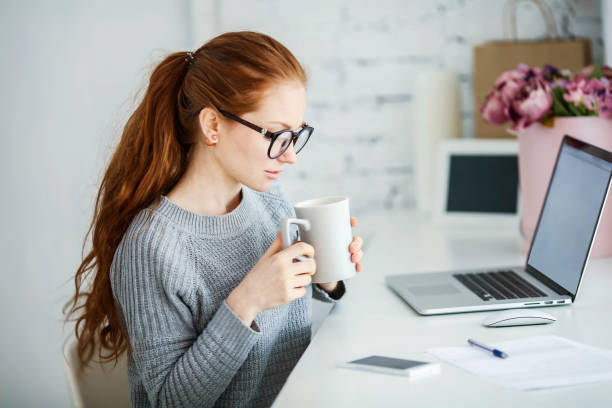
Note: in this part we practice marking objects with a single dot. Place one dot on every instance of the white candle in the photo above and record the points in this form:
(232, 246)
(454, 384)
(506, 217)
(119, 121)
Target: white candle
(437, 116)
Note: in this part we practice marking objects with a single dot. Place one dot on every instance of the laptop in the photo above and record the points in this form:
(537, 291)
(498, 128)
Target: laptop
(558, 255)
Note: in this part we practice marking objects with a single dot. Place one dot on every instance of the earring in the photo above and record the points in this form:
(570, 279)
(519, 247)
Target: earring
(211, 141)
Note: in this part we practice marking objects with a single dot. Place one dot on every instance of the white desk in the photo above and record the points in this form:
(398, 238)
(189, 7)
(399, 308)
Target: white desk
(373, 320)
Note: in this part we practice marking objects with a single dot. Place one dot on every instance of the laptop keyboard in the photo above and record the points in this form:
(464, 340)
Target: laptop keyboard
(498, 285)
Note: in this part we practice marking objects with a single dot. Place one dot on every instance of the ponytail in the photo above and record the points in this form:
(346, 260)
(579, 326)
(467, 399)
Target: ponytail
(148, 161)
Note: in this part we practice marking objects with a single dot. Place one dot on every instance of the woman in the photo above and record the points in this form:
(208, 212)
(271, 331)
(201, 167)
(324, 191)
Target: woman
(189, 273)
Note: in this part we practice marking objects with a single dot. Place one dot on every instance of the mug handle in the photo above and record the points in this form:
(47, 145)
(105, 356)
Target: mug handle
(286, 236)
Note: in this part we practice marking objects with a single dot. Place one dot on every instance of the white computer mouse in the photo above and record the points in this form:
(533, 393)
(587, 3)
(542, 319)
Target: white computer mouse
(518, 317)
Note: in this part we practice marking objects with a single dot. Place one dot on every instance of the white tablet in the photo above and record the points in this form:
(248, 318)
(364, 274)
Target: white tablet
(477, 182)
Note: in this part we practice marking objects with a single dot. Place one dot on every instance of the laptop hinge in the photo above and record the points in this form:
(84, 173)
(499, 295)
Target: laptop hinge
(554, 286)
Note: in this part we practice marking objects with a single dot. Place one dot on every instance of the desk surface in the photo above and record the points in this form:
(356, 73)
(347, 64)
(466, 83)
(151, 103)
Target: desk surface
(373, 320)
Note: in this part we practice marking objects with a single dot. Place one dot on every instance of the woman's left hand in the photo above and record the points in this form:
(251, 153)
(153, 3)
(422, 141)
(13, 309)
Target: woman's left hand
(355, 248)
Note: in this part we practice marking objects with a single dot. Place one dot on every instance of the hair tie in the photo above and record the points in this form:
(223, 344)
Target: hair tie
(189, 57)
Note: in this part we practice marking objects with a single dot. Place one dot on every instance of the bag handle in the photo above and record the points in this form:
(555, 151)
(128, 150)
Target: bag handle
(509, 15)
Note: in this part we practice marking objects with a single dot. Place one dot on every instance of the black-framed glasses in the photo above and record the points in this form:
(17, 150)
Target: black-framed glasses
(279, 141)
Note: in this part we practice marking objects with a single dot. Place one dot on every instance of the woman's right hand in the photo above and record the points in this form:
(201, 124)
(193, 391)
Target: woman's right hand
(275, 280)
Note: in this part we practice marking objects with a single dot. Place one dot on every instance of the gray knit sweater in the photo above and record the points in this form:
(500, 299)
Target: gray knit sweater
(171, 275)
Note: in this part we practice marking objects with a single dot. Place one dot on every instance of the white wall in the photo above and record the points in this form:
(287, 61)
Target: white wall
(363, 57)
(70, 70)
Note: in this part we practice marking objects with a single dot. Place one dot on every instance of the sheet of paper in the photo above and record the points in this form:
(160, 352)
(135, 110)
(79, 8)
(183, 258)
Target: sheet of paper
(534, 362)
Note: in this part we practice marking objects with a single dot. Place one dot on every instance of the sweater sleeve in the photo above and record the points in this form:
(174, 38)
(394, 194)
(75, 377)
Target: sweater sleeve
(177, 365)
(320, 294)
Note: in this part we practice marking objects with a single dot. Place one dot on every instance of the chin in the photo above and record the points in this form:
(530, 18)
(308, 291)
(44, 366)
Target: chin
(259, 186)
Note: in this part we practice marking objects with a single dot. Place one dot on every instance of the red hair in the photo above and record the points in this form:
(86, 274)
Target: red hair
(229, 73)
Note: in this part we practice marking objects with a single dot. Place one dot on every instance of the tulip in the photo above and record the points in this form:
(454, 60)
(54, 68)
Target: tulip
(604, 100)
(583, 90)
(550, 73)
(533, 105)
(605, 70)
(575, 90)
(509, 84)
(494, 108)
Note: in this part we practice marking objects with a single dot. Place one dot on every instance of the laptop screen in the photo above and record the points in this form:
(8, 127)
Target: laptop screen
(571, 210)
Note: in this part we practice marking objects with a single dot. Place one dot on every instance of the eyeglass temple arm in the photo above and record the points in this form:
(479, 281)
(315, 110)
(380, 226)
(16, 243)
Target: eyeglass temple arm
(245, 123)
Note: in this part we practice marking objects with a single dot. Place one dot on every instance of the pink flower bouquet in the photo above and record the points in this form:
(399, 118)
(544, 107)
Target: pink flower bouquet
(527, 95)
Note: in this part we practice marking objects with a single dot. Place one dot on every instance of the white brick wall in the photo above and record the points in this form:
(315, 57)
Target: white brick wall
(362, 58)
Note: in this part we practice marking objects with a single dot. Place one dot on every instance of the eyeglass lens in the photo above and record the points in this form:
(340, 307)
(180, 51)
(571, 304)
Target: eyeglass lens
(281, 144)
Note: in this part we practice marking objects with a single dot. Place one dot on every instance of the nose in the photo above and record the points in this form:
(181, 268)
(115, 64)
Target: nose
(289, 156)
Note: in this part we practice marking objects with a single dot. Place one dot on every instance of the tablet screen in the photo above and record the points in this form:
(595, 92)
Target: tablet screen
(483, 184)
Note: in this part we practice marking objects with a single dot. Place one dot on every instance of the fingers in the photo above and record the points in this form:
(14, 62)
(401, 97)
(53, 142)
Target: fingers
(356, 244)
(299, 249)
(353, 221)
(304, 267)
(356, 252)
(302, 280)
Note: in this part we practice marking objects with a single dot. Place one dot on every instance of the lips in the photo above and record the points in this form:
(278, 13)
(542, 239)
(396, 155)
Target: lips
(273, 174)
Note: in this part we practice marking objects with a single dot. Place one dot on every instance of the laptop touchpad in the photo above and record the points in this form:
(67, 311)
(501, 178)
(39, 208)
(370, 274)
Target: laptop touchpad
(436, 290)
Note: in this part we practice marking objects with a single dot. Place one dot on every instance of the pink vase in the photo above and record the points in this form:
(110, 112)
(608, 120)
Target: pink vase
(538, 148)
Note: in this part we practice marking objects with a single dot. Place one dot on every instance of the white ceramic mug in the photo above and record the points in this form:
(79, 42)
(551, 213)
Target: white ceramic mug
(325, 224)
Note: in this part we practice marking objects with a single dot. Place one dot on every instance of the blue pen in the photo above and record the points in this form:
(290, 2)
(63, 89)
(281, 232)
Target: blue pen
(495, 352)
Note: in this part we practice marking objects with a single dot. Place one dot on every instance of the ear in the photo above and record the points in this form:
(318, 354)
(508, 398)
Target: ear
(209, 125)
